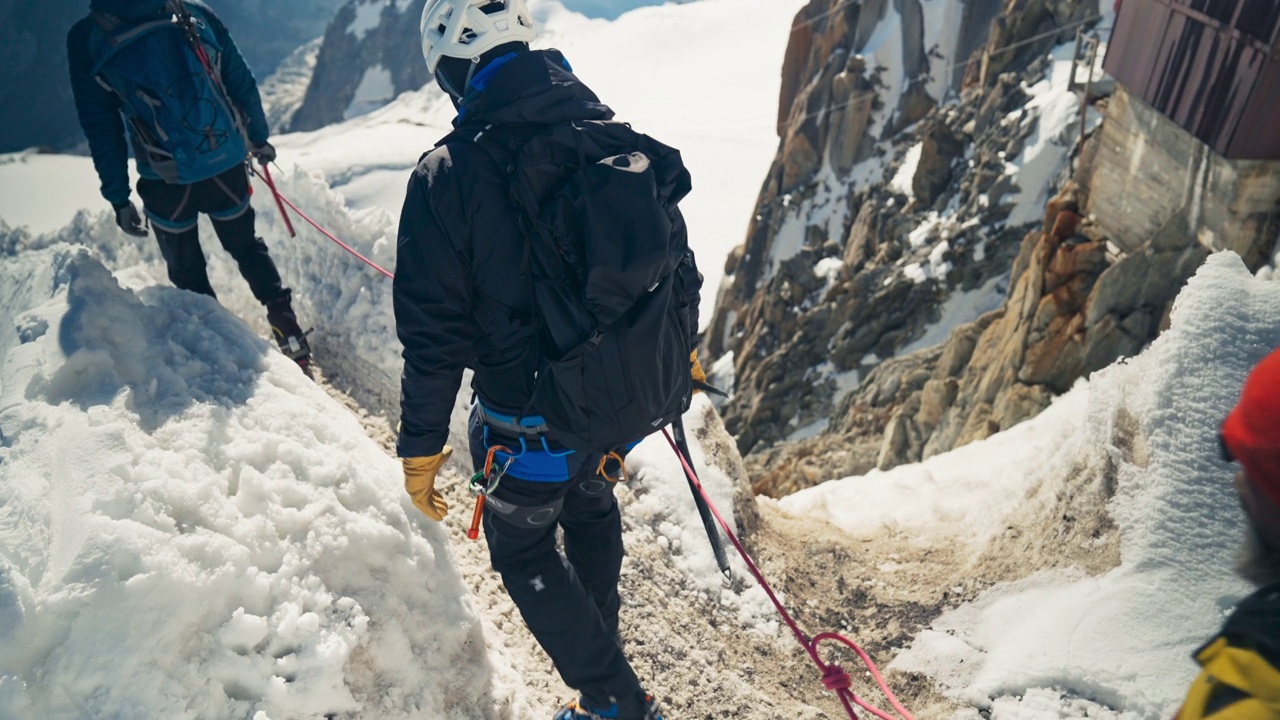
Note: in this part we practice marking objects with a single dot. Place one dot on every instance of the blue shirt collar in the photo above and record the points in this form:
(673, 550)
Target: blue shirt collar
(481, 79)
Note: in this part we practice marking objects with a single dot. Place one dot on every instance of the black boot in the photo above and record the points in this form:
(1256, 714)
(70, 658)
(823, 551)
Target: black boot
(288, 335)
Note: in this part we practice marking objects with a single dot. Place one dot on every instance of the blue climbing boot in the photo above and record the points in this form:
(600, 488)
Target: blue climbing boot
(577, 710)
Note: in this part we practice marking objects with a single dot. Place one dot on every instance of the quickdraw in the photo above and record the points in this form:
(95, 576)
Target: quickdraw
(484, 482)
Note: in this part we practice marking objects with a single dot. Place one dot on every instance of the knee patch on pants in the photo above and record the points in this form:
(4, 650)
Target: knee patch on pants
(537, 516)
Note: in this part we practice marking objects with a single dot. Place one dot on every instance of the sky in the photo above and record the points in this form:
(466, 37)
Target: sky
(189, 527)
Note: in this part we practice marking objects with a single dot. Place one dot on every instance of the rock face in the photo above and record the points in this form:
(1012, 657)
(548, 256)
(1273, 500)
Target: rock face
(879, 207)
(372, 52)
(33, 77)
(887, 215)
(1072, 308)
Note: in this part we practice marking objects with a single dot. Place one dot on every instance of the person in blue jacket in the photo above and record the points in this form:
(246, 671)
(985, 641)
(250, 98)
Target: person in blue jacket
(166, 79)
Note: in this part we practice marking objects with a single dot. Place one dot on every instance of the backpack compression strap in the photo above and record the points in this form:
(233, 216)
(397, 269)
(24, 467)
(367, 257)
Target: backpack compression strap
(188, 23)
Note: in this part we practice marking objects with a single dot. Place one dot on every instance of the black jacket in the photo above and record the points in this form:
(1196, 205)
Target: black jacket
(461, 298)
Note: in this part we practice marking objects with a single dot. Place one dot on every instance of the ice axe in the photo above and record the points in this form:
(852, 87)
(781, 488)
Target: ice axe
(680, 445)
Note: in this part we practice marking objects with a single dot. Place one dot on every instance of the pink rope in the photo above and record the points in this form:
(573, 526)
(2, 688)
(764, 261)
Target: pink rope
(834, 677)
(326, 233)
(266, 177)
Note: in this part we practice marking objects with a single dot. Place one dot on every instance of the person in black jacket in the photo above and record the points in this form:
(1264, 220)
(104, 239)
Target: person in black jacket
(199, 167)
(462, 300)
(1241, 664)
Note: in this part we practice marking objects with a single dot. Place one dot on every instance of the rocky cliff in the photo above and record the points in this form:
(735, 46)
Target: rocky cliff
(903, 288)
(371, 52)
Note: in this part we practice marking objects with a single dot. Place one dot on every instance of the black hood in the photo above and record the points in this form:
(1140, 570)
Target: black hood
(128, 9)
(534, 87)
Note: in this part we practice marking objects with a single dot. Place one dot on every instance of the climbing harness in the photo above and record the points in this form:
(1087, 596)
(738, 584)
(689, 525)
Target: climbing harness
(834, 677)
(484, 482)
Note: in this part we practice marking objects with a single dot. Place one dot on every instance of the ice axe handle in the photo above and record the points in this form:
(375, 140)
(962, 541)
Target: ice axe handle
(709, 388)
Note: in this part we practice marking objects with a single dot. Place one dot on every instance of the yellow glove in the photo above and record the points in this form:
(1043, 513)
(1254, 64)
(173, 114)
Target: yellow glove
(420, 482)
(699, 375)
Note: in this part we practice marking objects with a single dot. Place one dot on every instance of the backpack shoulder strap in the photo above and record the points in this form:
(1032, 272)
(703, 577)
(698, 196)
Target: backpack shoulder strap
(500, 142)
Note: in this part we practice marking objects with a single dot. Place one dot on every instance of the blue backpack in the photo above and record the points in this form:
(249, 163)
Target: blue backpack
(183, 122)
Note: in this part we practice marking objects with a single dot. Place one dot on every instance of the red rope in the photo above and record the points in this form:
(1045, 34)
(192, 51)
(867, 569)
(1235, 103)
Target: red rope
(266, 177)
(282, 199)
(834, 677)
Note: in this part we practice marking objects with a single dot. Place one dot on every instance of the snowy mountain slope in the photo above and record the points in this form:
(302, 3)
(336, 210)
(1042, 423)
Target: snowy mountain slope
(191, 528)
(1135, 446)
(196, 401)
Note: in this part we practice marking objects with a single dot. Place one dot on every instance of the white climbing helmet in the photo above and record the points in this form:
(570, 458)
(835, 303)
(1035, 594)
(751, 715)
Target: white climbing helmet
(469, 28)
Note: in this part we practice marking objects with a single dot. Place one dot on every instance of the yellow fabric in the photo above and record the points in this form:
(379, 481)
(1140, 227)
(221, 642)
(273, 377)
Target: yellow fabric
(699, 376)
(1226, 666)
(420, 483)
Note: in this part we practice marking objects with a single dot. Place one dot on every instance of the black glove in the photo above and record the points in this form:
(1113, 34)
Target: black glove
(264, 153)
(129, 221)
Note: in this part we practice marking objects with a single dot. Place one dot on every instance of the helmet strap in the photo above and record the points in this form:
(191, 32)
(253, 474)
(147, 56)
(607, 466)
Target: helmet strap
(471, 71)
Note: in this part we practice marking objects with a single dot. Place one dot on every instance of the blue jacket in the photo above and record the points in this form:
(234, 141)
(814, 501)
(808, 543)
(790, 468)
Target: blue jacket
(100, 109)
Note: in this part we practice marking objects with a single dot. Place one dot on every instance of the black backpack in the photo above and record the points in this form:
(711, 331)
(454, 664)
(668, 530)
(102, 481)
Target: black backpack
(597, 204)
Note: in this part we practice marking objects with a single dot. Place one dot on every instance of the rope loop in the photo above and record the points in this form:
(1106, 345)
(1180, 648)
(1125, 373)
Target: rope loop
(835, 679)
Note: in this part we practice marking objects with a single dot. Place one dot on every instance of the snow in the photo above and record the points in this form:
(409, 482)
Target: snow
(369, 16)
(788, 240)
(1043, 646)
(608, 9)
(376, 89)
(811, 430)
(1056, 111)
(190, 528)
(901, 181)
(942, 23)
(960, 494)
(827, 269)
(886, 61)
(43, 192)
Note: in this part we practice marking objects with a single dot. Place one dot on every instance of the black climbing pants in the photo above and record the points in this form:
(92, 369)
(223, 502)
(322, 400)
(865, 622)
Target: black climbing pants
(569, 602)
(174, 210)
